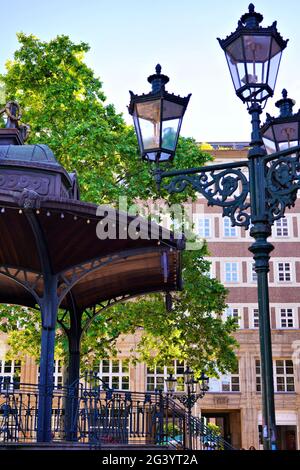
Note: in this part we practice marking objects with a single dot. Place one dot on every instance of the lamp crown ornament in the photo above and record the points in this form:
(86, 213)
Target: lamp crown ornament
(158, 80)
(252, 19)
(285, 105)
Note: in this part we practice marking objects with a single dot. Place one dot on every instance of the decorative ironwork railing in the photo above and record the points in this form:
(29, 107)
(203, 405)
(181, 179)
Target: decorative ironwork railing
(88, 414)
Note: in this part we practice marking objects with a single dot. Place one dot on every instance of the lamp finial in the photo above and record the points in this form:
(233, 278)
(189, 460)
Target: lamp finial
(158, 69)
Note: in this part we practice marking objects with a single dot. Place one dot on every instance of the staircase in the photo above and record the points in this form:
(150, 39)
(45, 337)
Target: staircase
(87, 417)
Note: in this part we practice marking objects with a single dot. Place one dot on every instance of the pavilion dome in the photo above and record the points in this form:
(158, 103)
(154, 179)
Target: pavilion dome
(37, 153)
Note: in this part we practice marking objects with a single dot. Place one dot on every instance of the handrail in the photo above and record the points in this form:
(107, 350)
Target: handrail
(87, 414)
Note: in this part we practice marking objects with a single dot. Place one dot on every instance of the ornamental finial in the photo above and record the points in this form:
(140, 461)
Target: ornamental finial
(285, 105)
(251, 19)
(158, 80)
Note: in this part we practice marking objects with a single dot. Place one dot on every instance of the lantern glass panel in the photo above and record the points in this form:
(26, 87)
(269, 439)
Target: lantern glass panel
(269, 145)
(281, 136)
(171, 110)
(171, 116)
(257, 50)
(235, 60)
(286, 134)
(149, 116)
(169, 134)
(257, 54)
(276, 53)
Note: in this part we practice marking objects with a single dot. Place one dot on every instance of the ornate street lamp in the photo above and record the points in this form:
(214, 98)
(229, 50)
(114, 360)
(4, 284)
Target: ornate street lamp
(171, 384)
(282, 132)
(259, 189)
(194, 390)
(253, 55)
(157, 119)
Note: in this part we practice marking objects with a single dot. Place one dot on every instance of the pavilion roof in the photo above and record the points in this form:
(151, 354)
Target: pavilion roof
(41, 216)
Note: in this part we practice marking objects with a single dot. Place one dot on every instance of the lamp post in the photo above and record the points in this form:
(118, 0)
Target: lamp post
(194, 390)
(256, 190)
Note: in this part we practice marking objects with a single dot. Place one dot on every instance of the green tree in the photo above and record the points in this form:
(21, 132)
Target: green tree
(64, 104)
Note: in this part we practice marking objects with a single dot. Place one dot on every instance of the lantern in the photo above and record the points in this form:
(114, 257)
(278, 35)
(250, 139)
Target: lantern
(253, 55)
(283, 131)
(157, 119)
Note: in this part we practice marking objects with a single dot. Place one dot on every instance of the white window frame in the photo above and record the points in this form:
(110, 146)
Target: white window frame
(225, 383)
(285, 272)
(283, 316)
(58, 376)
(287, 380)
(285, 376)
(228, 230)
(157, 380)
(280, 226)
(10, 378)
(112, 378)
(257, 376)
(254, 317)
(231, 271)
(252, 273)
(234, 312)
(206, 226)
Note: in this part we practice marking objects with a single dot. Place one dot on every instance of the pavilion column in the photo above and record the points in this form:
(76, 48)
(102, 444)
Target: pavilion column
(49, 308)
(73, 375)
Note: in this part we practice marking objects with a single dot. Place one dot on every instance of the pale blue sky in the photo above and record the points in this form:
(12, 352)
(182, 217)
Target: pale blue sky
(128, 38)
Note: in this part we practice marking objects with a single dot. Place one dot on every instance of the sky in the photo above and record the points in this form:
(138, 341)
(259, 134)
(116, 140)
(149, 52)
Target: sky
(128, 38)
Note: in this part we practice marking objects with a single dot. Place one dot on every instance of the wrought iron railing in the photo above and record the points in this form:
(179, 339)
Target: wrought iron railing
(85, 413)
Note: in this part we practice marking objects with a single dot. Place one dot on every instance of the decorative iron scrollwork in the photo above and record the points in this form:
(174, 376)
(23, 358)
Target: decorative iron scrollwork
(282, 184)
(227, 188)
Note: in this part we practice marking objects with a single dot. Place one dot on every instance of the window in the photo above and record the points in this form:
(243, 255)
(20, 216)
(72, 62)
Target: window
(10, 372)
(281, 228)
(231, 383)
(253, 275)
(229, 231)
(283, 375)
(204, 227)
(225, 383)
(115, 373)
(231, 272)
(258, 375)
(286, 318)
(57, 374)
(284, 272)
(233, 313)
(156, 376)
(255, 318)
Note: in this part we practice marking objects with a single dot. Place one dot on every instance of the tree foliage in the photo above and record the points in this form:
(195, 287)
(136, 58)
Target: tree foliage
(66, 108)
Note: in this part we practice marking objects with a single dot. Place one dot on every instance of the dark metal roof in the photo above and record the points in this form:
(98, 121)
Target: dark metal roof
(28, 153)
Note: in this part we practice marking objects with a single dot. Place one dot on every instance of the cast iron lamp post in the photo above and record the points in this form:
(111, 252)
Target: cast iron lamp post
(194, 390)
(256, 190)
